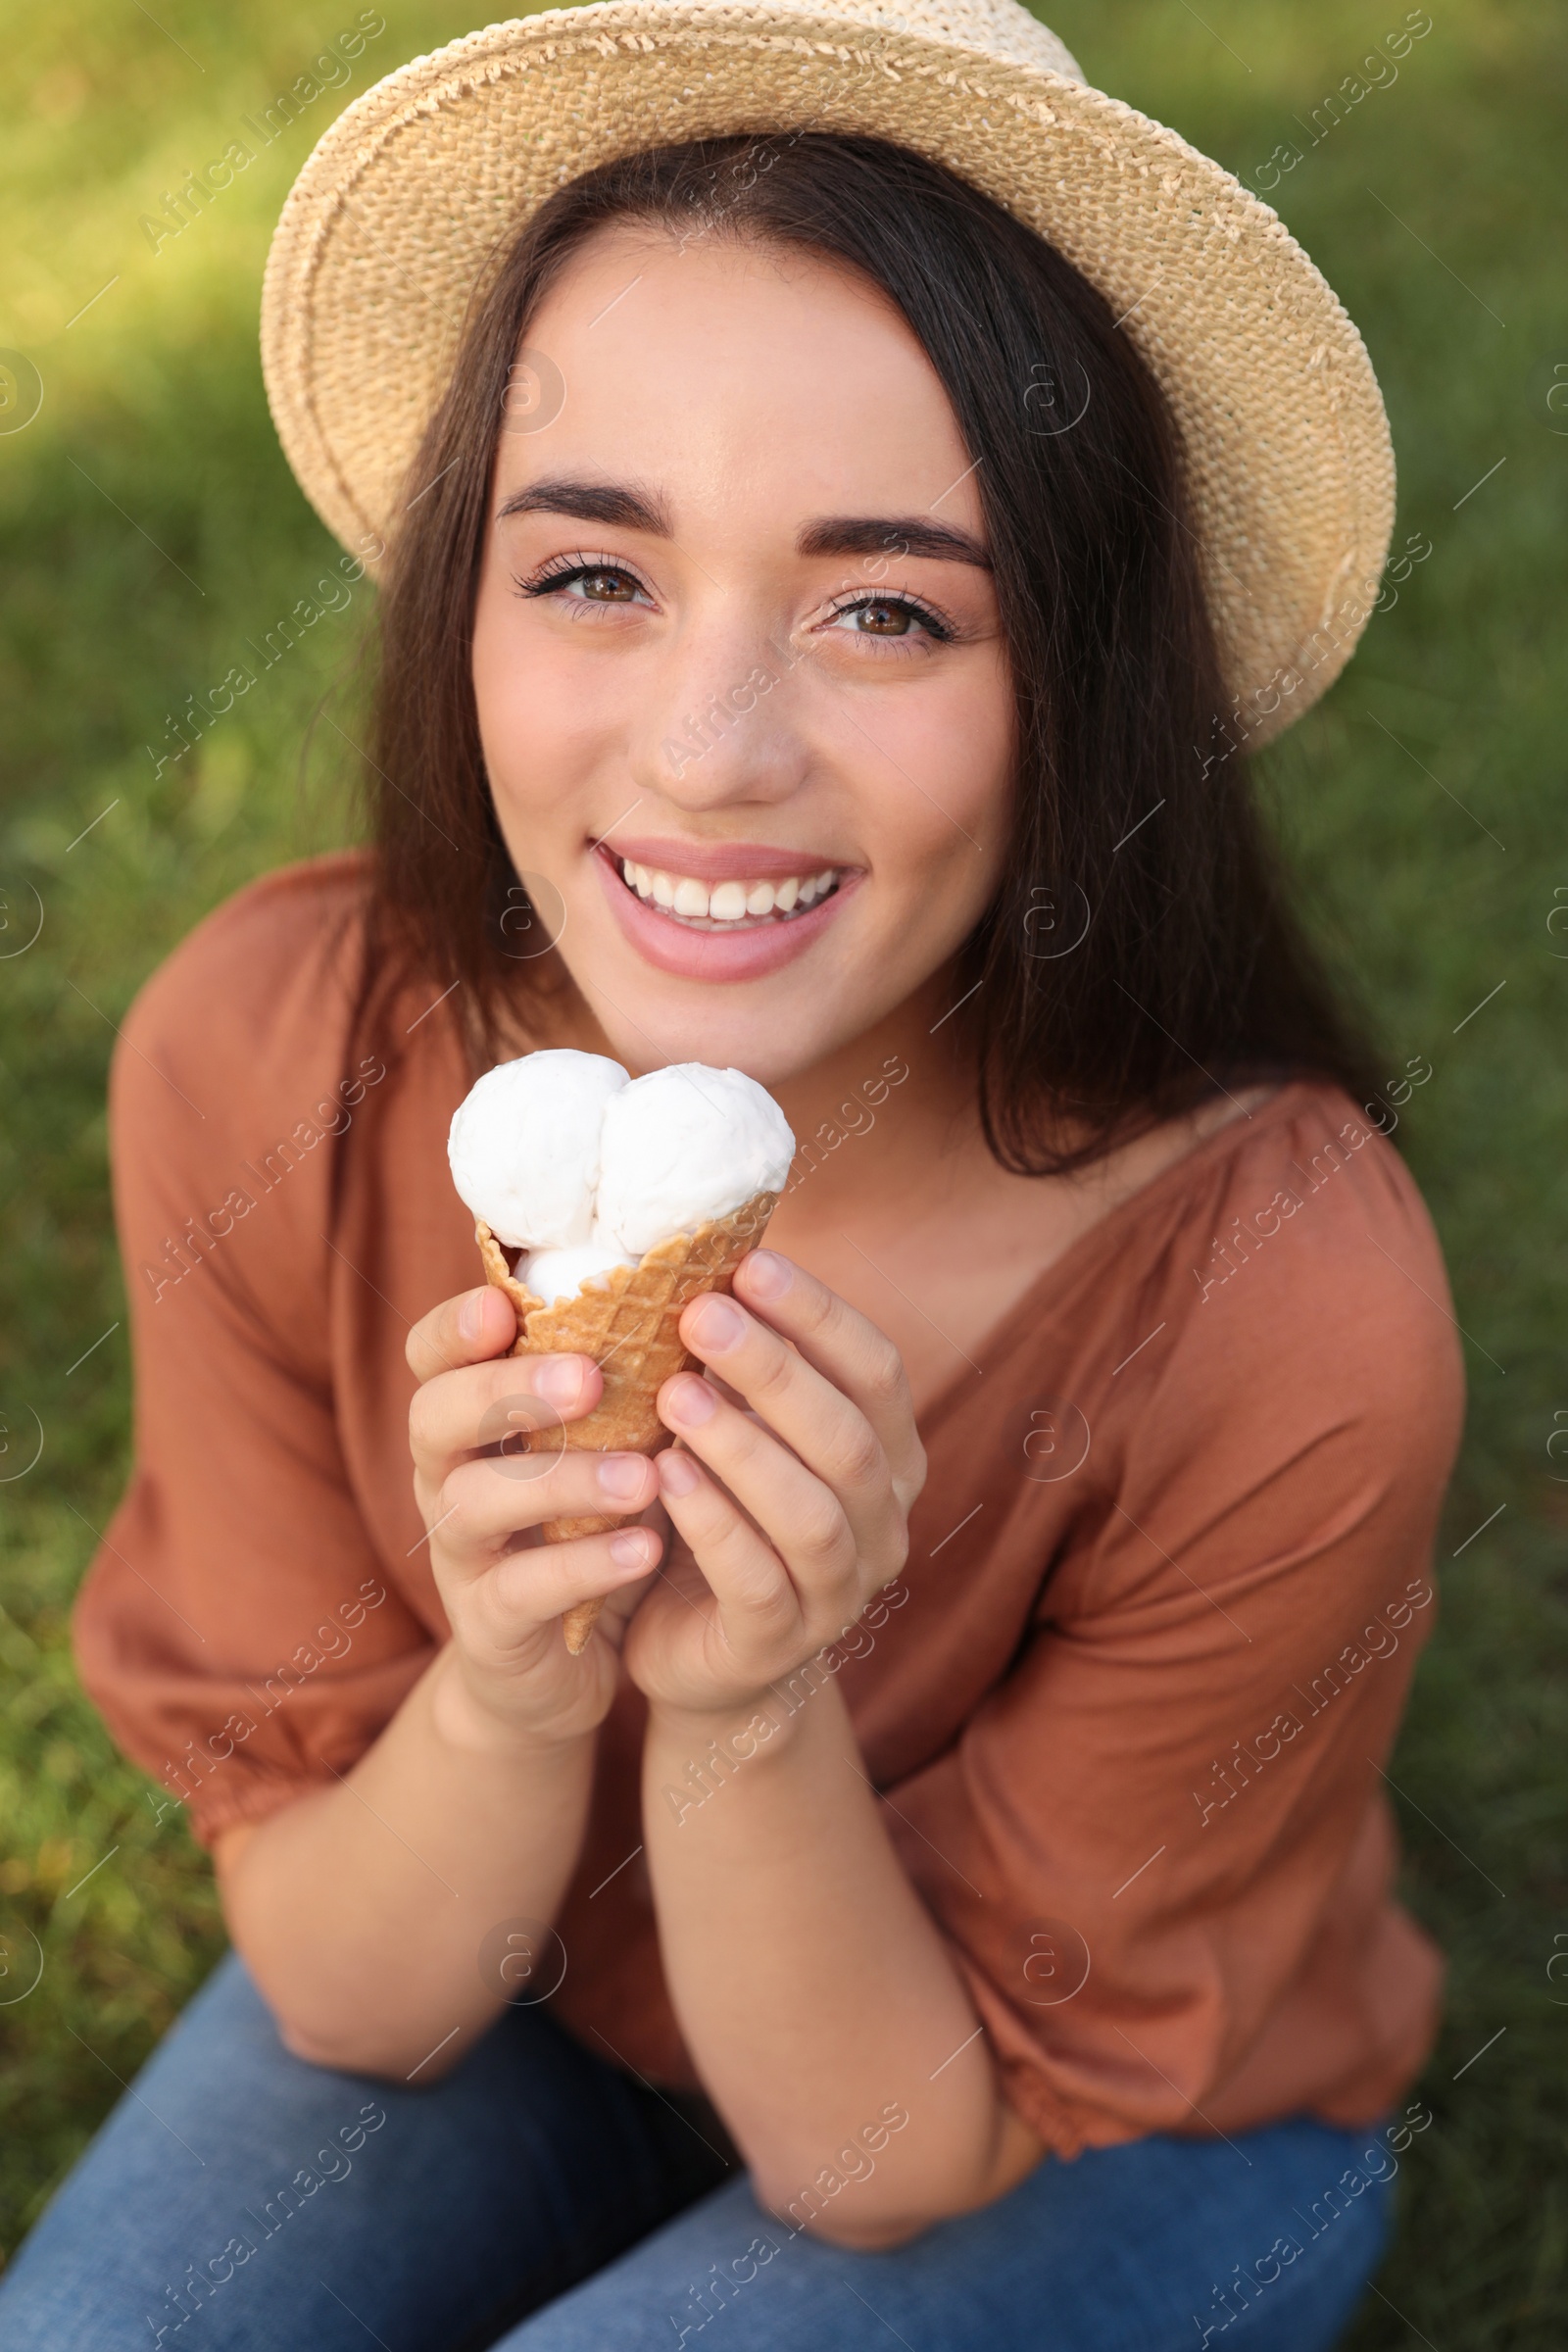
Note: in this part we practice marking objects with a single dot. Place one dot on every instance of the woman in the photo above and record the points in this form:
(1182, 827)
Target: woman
(951, 1893)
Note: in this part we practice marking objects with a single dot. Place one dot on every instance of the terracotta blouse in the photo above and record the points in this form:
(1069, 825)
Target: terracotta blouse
(1127, 1704)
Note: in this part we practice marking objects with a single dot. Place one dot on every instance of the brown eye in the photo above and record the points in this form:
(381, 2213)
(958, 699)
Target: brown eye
(883, 620)
(608, 587)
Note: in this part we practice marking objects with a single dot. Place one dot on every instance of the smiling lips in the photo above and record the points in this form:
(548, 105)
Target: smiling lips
(749, 911)
(727, 903)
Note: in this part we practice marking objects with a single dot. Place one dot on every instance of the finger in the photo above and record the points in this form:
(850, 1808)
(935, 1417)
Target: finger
(807, 1524)
(483, 1505)
(844, 1346)
(825, 1428)
(466, 1330)
(746, 1574)
(498, 1405)
(531, 1587)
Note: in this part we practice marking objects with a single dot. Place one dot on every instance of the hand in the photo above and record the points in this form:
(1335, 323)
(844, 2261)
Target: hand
(795, 1512)
(504, 1591)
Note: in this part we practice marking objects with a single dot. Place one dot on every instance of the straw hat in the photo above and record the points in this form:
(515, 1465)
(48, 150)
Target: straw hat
(418, 186)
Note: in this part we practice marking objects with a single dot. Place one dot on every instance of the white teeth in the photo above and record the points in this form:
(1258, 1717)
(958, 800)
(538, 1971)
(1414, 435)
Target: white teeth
(725, 902)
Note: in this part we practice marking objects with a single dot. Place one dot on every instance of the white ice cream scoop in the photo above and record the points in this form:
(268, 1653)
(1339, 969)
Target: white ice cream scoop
(684, 1145)
(524, 1146)
(553, 1274)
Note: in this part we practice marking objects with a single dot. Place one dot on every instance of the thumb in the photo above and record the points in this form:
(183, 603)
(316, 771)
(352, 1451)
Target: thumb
(470, 1329)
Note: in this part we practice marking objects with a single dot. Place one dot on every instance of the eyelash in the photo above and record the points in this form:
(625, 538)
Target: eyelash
(901, 601)
(560, 571)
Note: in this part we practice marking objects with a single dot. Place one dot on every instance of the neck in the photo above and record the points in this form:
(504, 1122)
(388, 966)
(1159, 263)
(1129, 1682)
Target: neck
(890, 1117)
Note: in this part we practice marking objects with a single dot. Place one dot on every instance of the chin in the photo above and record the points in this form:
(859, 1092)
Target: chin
(773, 1038)
(770, 1002)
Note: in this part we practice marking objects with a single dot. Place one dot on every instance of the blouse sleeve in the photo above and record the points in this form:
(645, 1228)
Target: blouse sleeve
(236, 1628)
(1152, 1837)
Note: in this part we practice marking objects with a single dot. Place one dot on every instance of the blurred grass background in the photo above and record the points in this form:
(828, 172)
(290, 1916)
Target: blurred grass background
(149, 528)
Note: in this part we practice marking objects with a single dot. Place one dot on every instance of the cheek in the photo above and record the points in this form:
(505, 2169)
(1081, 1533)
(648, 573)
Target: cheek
(536, 726)
(938, 784)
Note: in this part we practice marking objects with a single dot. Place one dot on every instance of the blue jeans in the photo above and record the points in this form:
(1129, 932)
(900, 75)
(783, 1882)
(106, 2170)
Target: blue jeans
(538, 2197)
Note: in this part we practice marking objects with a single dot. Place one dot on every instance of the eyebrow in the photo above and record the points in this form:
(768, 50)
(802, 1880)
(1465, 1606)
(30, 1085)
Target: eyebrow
(621, 507)
(880, 535)
(611, 503)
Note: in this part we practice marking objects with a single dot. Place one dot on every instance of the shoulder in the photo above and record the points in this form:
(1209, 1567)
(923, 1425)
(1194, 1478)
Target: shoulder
(1279, 1394)
(267, 974)
(245, 1042)
(1305, 1282)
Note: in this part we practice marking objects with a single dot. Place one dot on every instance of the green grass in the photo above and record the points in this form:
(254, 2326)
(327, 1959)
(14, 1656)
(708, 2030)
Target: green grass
(148, 525)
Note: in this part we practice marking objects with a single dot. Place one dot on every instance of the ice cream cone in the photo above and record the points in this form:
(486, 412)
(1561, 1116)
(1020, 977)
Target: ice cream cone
(627, 1321)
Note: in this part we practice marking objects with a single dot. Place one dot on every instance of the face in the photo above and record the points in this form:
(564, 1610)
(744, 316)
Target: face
(741, 686)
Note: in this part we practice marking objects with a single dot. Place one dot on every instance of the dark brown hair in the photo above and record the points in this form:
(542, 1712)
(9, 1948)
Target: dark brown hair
(1139, 950)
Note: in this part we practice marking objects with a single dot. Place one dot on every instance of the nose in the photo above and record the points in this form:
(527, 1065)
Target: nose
(726, 723)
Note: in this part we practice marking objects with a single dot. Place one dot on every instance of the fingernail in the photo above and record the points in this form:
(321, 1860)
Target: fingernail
(630, 1550)
(558, 1379)
(676, 1474)
(471, 1317)
(716, 1323)
(768, 1274)
(623, 1475)
(692, 1401)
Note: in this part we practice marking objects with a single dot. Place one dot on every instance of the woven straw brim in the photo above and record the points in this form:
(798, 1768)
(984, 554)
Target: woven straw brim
(416, 190)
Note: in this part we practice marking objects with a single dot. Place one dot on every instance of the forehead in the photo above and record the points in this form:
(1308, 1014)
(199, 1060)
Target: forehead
(735, 379)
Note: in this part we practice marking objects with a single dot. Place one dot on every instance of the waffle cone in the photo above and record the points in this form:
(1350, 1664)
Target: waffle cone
(627, 1321)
